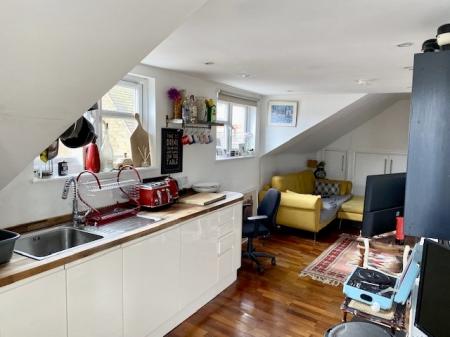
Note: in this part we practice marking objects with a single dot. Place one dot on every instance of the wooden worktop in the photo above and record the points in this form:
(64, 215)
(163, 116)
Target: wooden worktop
(21, 267)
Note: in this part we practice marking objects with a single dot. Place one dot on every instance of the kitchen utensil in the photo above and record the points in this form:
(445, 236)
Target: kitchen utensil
(79, 134)
(202, 199)
(206, 187)
(139, 140)
(7, 242)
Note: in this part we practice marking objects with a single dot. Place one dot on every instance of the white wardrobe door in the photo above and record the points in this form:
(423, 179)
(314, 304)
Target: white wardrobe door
(336, 164)
(367, 164)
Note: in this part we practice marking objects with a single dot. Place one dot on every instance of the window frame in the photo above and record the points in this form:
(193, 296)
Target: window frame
(145, 87)
(228, 128)
(129, 81)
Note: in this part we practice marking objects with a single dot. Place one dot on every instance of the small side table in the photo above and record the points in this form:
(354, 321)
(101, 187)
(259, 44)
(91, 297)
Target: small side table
(395, 322)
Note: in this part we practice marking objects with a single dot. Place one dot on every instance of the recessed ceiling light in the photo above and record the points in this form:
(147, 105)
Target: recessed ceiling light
(289, 90)
(405, 44)
(365, 81)
(208, 63)
(408, 68)
(244, 75)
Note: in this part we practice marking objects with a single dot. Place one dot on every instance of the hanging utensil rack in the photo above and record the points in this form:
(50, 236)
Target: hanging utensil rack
(129, 189)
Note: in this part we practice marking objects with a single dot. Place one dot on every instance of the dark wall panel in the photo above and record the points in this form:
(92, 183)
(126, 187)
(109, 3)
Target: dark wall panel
(427, 203)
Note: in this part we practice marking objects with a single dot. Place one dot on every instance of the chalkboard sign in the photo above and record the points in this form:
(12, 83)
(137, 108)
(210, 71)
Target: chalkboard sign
(171, 151)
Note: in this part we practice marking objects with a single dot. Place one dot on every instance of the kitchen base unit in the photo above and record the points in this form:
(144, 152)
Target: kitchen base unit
(138, 284)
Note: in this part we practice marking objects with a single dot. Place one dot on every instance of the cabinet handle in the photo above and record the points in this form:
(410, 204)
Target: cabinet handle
(342, 164)
(385, 165)
(390, 171)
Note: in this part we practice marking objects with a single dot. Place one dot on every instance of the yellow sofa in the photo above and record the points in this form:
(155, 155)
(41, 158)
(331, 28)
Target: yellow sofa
(301, 209)
(352, 209)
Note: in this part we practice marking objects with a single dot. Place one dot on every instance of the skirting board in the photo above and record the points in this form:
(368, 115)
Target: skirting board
(186, 312)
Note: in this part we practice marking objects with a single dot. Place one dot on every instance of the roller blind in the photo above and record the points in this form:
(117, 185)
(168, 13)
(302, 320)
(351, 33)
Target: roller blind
(238, 99)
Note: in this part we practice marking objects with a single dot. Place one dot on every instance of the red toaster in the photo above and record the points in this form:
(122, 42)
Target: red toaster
(158, 193)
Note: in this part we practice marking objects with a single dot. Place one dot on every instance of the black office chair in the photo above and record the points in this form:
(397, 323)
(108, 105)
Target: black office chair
(259, 226)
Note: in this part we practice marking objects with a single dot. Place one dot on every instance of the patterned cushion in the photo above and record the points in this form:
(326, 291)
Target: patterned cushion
(326, 189)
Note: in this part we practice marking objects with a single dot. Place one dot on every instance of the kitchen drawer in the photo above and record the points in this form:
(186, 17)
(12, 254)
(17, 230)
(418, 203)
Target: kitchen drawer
(226, 243)
(225, 264)
(226, 215)
(226, 228)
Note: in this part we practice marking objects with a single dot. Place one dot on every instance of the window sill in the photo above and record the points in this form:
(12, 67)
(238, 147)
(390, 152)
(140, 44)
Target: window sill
(103, 175)
(235, 158)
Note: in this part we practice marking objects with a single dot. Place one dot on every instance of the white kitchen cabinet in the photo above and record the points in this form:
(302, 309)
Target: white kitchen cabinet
(237, 249)
(375, 163)
(397, 163)
(336, 164)
(151, 282)
(94, 295)
(199, 257)
(35, 307)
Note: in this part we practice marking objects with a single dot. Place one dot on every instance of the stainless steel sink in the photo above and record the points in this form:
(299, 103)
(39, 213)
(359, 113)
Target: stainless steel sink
(46, 243)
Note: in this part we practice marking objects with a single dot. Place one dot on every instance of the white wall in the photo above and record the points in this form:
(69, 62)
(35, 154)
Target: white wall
(385, 133)
(24, 200)
(281, 164)
(312, 109)
(58, 57)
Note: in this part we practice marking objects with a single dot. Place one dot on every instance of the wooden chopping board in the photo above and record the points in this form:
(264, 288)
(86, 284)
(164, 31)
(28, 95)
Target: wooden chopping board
(202, 199)
(140, 144)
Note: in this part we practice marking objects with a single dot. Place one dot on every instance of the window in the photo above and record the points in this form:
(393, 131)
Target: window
(237, 137)
(117, 109)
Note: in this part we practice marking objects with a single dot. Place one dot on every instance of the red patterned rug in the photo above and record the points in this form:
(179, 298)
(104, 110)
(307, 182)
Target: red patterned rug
(340, 259)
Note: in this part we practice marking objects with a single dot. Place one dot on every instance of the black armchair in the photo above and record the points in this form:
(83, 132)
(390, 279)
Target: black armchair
(260, 225)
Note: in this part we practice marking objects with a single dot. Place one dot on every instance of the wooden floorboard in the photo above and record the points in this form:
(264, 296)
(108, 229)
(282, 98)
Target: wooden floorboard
(278, 302)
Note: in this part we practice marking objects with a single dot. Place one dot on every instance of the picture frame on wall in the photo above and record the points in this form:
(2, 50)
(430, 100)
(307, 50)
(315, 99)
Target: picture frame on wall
(283, 113)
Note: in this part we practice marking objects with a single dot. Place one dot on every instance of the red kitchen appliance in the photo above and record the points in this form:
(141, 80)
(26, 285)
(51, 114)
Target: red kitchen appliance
(158, 192)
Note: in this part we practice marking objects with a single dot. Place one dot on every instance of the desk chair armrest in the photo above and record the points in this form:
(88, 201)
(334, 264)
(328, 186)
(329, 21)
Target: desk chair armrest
(257, 218)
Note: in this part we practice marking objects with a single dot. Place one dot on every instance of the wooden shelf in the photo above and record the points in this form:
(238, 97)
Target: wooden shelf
(183, 124)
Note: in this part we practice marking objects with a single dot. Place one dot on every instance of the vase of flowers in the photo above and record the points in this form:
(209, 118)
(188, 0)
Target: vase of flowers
(176, 98)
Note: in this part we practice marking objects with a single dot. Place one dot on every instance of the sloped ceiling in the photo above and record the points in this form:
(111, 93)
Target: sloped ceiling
(58, 57)
(303, 45)
(337, 125)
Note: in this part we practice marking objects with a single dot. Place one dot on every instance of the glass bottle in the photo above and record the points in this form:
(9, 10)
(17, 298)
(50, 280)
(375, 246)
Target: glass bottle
(107, 153)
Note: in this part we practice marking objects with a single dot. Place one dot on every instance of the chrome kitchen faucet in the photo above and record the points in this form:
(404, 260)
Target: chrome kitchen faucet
(78, 217)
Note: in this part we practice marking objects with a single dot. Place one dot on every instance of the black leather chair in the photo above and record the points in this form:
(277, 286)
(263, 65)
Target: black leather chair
(259, 226)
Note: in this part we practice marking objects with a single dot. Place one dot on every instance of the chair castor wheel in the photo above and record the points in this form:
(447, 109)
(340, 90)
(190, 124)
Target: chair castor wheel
(273, 261)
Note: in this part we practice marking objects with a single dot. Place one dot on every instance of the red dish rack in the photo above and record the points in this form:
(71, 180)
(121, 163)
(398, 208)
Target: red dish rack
(129, 189)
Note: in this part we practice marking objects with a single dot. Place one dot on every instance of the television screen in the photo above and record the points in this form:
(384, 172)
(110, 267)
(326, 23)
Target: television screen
(433, 301)
(383, 200)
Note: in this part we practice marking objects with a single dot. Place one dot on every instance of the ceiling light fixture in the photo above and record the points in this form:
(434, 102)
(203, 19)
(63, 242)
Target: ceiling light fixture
(244, 75)
(364, 82)
(405, 44)
(208, 63)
